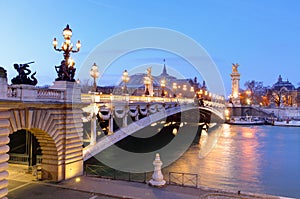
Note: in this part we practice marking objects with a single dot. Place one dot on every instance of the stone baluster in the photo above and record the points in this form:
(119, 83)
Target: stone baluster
(93, 138)
(111, 122)
(125, 116)
(137, 115)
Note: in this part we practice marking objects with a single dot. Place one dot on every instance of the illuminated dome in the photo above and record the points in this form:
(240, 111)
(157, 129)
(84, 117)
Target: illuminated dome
(280, 84)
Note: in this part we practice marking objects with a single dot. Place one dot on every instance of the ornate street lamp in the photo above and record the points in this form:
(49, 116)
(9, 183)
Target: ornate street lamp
(174, 88)
(66, 70)
(125, 79)
(184, 88)
(94, 74)
(147, 83)
(192, 91)
(163, 85)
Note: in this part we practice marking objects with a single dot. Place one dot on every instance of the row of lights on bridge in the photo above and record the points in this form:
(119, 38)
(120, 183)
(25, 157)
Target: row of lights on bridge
(67, 48)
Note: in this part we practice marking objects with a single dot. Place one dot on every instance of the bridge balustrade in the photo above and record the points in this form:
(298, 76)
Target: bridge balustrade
(107, 98)
(32, 93)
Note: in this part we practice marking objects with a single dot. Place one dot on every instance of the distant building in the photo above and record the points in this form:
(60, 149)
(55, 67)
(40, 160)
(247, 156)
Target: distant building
(284, 93)
(172, 85)
(283, 84)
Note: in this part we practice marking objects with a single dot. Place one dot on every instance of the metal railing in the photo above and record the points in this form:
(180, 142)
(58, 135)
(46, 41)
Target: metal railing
(174, 178)
(105, 172)
(22, 158)
(183, 179)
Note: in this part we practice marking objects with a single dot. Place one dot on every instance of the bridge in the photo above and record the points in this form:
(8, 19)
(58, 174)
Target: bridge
(150, 109)
(55, 116)
(155, 108)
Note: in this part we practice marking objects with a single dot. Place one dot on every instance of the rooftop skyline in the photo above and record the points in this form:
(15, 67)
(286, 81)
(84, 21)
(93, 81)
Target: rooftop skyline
(262, 36)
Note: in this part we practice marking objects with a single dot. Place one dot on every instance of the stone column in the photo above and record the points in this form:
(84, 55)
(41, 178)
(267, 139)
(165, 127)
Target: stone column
(235, 85)
(4, 148)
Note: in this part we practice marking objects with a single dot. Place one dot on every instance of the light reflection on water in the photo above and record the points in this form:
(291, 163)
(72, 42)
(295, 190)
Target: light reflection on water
(261, 159)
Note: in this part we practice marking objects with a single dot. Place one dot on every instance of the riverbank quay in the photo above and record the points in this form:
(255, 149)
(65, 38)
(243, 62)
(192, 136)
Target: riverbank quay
(281, 113)
(24, 185)
(135, 190)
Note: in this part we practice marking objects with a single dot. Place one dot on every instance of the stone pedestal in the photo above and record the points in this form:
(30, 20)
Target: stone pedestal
(3, 83)
(157, 177)
(25, 92)
(235, 88)
(72, 90)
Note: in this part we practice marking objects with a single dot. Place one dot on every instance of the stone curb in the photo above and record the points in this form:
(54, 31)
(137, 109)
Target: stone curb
(239, 193)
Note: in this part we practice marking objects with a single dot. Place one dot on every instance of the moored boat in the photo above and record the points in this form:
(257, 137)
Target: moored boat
(292, 123)
(246, 120)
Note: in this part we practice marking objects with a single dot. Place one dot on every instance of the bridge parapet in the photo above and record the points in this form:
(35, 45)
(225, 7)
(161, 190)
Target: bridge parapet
(31, 93)
(111, 101)
(61, 92)
(118, 102)
(108, 98)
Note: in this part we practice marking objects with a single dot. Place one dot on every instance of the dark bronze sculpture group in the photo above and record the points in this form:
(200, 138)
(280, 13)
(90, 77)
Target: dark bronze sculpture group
(64, 72)
(23, 75)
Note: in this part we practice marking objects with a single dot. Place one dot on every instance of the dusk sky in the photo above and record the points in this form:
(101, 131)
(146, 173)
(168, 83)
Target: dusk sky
(262, 36)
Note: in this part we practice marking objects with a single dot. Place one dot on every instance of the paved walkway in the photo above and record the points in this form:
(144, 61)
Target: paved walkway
(96, 188)
(124, 189)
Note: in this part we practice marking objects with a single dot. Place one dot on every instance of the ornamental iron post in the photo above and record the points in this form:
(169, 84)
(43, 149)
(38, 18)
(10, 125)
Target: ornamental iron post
(66, 70)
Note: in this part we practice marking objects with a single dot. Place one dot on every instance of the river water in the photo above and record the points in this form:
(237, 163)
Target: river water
(260, 159)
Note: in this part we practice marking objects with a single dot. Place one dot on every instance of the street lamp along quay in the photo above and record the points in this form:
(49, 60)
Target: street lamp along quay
(125, 79)
(94, 72)
(163, 85)
(66, 70)
(174, 88)
(147, 83)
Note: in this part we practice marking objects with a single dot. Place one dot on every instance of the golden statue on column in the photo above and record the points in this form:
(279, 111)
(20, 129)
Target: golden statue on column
(235, 67)
(235, 85)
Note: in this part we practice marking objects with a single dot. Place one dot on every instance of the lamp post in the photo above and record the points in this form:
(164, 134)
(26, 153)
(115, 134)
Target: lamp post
(163, 85)
(192, 90)
(94, 74)
(174, 88)
(125, 79)
(184, 88)
(147, 83)
(66, 69)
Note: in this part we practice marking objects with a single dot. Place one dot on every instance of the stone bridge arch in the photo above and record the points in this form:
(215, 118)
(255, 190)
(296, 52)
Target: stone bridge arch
(58, 129)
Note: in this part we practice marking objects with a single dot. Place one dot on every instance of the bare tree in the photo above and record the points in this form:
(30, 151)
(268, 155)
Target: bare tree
(86, 86)
(277, 96)
(257, 90)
